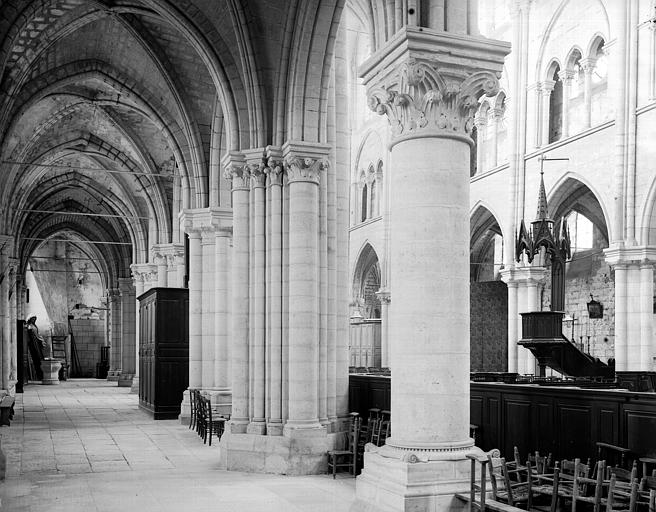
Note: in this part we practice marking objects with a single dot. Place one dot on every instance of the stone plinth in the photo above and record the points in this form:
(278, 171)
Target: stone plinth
(301, 453)
(50, 369)
(125, 380)
(393, 485)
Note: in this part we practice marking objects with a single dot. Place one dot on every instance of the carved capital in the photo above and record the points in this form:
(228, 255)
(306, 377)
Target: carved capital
(274, 165)
(238, 175)
(305, 169)
(588, 65)
(566, 76)
(546, 86)
(274, 170)
(258, 176)
(419, 97)
(304, 161)
(235, 170)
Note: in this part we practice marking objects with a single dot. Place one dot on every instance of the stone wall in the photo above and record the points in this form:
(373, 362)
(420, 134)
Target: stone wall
(588, 273)
(489, 326)
(89, 336)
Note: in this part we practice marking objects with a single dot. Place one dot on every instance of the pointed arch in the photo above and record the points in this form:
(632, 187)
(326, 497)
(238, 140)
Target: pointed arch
(366, 281)
(484, 232)
(574, 192)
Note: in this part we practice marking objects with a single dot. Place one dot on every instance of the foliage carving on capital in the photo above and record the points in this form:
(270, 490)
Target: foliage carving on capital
(239, 175)
(274, 169)
(420, 98)
(305, 169)
(258, 177)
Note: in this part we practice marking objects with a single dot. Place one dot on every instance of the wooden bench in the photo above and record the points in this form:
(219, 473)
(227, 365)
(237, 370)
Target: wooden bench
(6, 409)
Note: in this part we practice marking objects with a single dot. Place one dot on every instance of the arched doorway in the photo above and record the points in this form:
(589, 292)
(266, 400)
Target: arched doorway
(488, 295)
(365, 331)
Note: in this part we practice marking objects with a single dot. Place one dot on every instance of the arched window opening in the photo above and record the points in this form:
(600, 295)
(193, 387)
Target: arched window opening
(573, 95)
(556, 108)
(363, 203)
(373, 192)
(581, 231)
(599, 104)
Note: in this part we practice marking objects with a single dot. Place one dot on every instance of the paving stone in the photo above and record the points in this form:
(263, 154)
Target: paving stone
(132, 463)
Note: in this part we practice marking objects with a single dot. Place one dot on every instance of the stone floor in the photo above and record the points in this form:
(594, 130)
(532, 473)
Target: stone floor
(85, 446)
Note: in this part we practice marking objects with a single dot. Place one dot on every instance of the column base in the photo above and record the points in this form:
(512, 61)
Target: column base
(135, 385)
(256, 427)
(222, 401)
(125, 380)
(113, 375)
(409, 484)
(185, 408)
(295, 453)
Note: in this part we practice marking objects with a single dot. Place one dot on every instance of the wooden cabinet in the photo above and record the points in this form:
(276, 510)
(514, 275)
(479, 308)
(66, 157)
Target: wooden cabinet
(163, 350)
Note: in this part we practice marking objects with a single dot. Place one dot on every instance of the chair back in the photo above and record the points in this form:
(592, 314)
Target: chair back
(497, 478)
(353, 434)
(541, 464)
(617, 497)
(624, 475)
(647, 483)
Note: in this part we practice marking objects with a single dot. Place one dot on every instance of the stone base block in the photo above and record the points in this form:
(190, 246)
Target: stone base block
(185, 408)
(135, 385)
(393, 485)
(113, 375)
(125, 380)
(294, 454)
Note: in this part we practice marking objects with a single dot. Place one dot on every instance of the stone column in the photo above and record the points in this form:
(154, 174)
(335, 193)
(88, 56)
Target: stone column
(162, 269)
(430, 103)
(480, 121)
(385, 300)
(12, 296)
(195, 308)
(222, 380)
(6, 249)
(513, 334)
(494, 120)
(114, 298)
(566, 77)
(546, 88)
(621, 356)
(274, 172)
(140, 278)
(647, 342)
(588, 66)
(304, 167)
(634, 319)
(128, 332)
(237, 173)
(208, 291)
(257, 423)
(523, 297)
(534, 120)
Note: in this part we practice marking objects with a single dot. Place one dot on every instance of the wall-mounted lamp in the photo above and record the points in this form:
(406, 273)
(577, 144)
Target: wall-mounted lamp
(595, 308)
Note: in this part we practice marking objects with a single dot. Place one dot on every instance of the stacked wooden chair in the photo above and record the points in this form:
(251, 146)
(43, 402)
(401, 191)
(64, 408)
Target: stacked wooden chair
(207, 422)
(348, 457)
